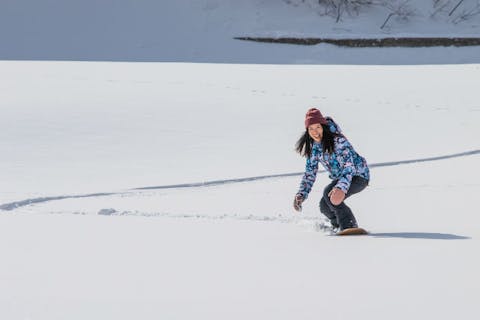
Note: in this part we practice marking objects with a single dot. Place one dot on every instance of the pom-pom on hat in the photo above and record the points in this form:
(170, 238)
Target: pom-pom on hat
(314, 116)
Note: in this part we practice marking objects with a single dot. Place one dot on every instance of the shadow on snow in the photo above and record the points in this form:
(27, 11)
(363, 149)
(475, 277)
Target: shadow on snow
(420, 235)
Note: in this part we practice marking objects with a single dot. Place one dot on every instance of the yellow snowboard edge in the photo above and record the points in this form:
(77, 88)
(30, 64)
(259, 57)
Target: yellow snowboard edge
(352, 232)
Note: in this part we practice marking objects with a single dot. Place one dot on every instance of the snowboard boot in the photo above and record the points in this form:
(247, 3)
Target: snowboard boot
(346, 219)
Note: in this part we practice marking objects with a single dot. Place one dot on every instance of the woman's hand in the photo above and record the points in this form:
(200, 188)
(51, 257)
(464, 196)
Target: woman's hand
(336, 196)
(297, 202)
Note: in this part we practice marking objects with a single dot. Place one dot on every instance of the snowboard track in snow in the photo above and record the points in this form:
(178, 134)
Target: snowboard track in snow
(316, 221)
(22, 203)
(285, 175)
(26, 202)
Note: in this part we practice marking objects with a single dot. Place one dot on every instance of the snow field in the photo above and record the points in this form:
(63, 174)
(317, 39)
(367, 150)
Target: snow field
(235, 250)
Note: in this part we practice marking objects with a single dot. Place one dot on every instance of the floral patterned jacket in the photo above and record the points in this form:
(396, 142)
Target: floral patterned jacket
(342, 165)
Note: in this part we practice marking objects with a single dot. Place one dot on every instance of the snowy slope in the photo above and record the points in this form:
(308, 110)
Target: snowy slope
(233, 250)
(81, 237)
(159, 124)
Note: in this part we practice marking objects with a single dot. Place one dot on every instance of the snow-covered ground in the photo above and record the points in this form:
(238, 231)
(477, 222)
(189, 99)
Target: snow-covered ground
(233, 250)
(203, 31)
(103, 214)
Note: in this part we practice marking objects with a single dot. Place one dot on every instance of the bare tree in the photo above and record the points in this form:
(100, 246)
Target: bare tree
(400, 9)
(455, 8)
(467, 14)
(338, 8)
(439, 6)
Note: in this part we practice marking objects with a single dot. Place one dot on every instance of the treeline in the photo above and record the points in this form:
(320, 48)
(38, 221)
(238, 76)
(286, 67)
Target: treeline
(451, 11)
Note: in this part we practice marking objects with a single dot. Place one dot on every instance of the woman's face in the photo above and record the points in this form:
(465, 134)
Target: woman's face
(315, 131)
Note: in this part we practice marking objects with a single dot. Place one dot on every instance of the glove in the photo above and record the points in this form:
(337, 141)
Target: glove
(297, 202)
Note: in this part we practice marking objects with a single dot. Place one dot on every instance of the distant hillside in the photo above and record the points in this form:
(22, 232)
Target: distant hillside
(203, 30)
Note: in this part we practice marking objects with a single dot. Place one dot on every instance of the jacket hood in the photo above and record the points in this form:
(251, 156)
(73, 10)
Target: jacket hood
(333, 126)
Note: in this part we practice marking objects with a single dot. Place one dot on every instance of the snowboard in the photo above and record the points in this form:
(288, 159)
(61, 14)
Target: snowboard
(352, 232)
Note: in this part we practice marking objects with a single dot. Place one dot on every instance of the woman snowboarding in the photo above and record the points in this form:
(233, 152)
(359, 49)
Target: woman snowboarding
(324, 143)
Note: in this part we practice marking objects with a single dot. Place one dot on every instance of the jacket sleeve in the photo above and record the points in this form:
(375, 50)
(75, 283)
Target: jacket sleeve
(311, 169)
(345, 158)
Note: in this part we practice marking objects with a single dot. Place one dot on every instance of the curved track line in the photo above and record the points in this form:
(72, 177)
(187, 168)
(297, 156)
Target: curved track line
(17, 204)
(381, 164)
(23, 203)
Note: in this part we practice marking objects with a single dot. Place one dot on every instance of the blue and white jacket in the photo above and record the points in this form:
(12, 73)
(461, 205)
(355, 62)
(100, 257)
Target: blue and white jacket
(342, 165)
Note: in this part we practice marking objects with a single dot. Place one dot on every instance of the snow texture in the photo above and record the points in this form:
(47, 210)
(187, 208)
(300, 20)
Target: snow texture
(155, 190)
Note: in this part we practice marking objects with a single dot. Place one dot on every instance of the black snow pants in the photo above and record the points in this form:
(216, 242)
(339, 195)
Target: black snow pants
(341, 216)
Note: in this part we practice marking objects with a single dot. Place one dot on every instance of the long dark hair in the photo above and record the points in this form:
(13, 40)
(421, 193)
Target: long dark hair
(305, 143)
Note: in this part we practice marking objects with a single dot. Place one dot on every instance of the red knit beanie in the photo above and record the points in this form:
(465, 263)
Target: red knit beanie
(314, 116)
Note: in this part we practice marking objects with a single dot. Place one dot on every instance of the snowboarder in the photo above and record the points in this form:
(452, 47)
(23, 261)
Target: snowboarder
(323, 142)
